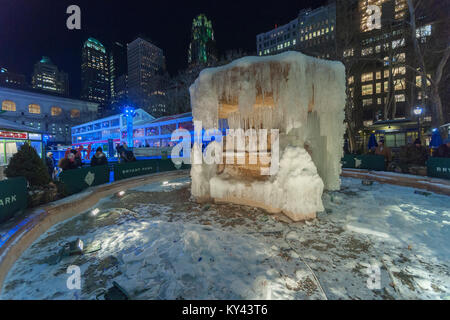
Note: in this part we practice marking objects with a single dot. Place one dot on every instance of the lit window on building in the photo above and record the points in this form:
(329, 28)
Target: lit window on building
(400, 98)
(419, 81)
(367, 77)
(400, 84)
(34, 108)
(367, 102)
(399, 71)
(367, 51)
(8, 105)
(398, 43)
(378, 87)
(378, 75)
(367, 90)
(423, 32)
(56, 111)
(75, 113)
(351, 80)
(349, 53)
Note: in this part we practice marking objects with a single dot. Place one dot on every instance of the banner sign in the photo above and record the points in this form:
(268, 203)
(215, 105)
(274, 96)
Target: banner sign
(77, 180)
(134, 169)
(13, 135)
(13, 197)
(438, 168)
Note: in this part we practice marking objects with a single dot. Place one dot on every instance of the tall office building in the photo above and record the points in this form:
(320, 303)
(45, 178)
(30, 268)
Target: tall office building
(95, 73)
(117, 67)
(312, 32)
(47, 77)
(146, 74)
(202, 49)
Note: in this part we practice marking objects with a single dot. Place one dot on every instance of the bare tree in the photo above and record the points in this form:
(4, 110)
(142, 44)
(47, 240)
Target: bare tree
(431, 55)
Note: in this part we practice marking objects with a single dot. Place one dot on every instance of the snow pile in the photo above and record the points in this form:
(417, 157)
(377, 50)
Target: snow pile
(296, 170)
(302, 97)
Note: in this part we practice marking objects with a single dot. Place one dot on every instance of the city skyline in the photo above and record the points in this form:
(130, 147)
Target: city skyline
(167, 25)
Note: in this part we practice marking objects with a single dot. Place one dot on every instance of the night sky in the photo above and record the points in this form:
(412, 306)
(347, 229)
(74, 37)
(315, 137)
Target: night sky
(30, 29)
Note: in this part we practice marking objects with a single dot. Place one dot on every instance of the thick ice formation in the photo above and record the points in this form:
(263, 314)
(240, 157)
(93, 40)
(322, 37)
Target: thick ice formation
(302, 97)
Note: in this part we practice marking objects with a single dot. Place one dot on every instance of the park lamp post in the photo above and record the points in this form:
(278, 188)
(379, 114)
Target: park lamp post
(129, 114)
(418, 112)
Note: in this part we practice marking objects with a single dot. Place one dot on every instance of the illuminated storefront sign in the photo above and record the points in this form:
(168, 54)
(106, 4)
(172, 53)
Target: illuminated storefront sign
(34, 136)
(13, 135)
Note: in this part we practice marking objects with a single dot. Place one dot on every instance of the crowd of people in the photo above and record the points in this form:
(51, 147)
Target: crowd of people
(412, 157)
(73, 159)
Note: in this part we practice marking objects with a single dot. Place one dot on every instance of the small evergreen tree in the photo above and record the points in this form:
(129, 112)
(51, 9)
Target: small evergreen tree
(26, 163)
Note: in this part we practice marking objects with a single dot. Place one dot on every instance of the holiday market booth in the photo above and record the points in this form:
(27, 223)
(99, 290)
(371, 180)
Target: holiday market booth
(12, 137)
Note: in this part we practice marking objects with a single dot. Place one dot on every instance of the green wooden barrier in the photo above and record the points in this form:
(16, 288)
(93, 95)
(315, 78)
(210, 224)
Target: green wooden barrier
(134, 169)
(13, 197)
(168, 165)
(79, 179)
(142, 167)
(438, 168)
(365, 161)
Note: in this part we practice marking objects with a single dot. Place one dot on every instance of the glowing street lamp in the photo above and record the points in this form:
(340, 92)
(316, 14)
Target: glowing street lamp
(418, 112)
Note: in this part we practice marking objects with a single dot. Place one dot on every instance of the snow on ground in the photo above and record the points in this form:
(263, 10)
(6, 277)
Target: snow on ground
(159, 245)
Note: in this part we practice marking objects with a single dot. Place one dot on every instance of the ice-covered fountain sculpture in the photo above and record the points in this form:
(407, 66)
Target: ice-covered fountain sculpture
(299, 96)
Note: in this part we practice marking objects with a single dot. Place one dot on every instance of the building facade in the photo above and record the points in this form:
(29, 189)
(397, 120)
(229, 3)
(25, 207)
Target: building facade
(117, 68)
(146, 76)
(384, 86)
(47, 77)
(11, 79)
(202, 48)
(312, 32)
(46, 113)
(95, 72)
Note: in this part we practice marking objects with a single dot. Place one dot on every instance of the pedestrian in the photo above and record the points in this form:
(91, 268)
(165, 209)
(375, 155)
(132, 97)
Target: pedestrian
(68, 162)
(444, 150)
(125, 155)
(99, 158)
(413, 158)
(50, 162)
(384, 151)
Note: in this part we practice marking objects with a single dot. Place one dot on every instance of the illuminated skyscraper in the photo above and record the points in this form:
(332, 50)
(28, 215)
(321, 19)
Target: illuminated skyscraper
(47, 77)
(202, 49)
(95, 76)
(117, 68)
(146, 70)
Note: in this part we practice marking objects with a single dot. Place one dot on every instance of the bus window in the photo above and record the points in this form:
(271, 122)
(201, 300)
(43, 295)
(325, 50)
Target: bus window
(115, 123)
(152, 131)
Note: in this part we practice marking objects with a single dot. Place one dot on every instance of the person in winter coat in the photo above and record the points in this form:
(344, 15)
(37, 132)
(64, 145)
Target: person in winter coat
(125, 155)
(68, 162)
(384, 151)
(99, 158)
(50, 162)
(444, 150)
(413, 156)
